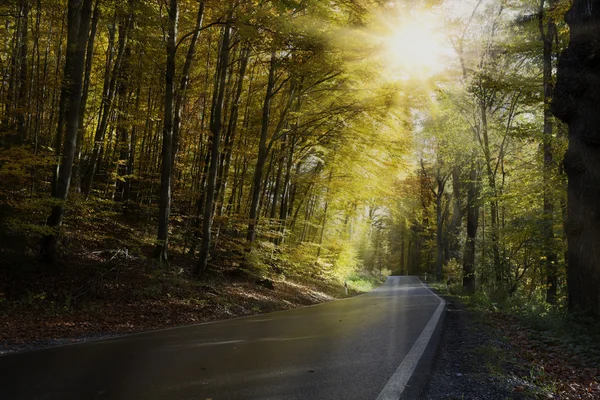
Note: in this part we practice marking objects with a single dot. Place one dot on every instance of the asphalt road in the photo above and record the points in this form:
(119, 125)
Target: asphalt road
(358, 348)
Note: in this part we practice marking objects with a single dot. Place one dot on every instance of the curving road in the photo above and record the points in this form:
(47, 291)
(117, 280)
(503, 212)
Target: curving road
(364, 347)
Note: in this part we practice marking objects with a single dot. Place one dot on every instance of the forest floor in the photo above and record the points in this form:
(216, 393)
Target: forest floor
(107, 283)
(490, 354)
(133, 297)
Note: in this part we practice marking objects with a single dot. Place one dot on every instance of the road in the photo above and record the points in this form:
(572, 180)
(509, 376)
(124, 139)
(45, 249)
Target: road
(364, 347)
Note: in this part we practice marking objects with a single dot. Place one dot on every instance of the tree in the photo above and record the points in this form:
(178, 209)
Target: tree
(78, 24)
(577, 103)
(108, 95)
(160, 251)
(262, 149)
(216, 125)
(548, 34)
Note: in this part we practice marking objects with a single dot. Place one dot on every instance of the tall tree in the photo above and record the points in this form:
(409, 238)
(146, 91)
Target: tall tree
(22, 106)
(79, 16)
(577, 103)
(262, 149)
(216, 126)
(547, 28)
(472, 226)
(89, 58)
(184, 81)
(108, 95)
(164, 210)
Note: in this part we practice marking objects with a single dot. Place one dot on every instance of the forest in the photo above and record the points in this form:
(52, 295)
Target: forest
(146, 141)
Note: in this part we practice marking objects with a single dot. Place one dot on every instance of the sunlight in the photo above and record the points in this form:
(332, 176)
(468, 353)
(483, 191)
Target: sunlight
(414, 48)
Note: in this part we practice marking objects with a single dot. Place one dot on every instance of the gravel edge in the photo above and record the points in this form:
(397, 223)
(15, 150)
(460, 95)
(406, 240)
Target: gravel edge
(474, 361)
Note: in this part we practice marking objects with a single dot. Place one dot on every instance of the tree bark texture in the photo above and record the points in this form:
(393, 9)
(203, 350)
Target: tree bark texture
(577, 103)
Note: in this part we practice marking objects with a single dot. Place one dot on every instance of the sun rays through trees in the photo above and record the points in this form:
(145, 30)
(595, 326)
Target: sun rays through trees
(302, 137)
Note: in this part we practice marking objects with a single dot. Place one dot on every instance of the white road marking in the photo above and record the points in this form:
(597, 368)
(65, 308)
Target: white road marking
(397, 383)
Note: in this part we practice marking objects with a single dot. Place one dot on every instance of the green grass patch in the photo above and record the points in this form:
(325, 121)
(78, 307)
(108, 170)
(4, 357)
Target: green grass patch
(363, 282)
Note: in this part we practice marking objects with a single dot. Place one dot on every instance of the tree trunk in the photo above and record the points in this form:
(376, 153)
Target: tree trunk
(439, 263)
(232, 126)
(164, 207)
(457, 217)
(262, 152)
(127, 189)
(577, 103)
(472, 225)
(491, 177)
(548, 34)
(22, 96)
(84, 96)
(79, 16)
(285, 196)
(110, 82)
(278, 176)
(324, 214)
(183, 83)
(216, 123)
(403, 232)
(123, 143)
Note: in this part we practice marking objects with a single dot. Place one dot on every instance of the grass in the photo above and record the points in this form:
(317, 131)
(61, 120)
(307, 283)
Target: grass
(363, 283)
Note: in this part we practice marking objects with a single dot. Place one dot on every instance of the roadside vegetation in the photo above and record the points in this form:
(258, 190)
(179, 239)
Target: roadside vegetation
(111, 285)
(531, 349)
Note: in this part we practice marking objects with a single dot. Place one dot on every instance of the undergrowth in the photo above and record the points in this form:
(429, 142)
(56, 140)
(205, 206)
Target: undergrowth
(552, 324)
(363, 282)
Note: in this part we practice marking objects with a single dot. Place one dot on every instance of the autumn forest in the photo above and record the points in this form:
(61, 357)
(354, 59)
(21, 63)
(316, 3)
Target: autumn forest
(159, 144)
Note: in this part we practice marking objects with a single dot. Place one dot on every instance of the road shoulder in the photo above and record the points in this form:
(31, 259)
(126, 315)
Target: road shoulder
(474, 361)
(490, 354)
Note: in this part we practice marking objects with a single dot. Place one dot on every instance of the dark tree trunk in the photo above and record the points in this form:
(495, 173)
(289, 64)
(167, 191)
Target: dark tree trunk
(205, 166)
(324, 222)
(232, 126)
(278, 176)
(164, 207)
(472, 225)
(22, 96)
(84, 96)
(110, 82)
(548, 34)
(285, 196)
(457, 217)
(577, 103)
(491, 178)
(41, 76)
(123, 143)
(439, 263)
(266, 184)
(262, 152)
(183, 83)
(11, 74)
(79, 19)
(403, 232)
(216, 123)
(127, 189)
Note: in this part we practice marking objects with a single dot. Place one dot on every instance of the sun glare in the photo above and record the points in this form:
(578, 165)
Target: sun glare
(414, 48)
